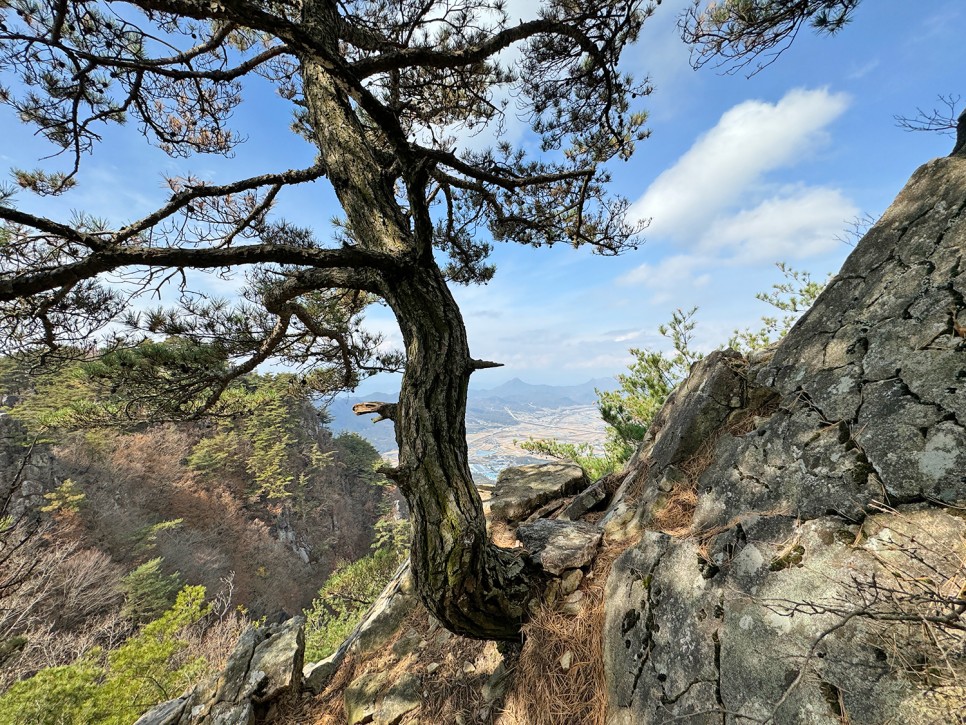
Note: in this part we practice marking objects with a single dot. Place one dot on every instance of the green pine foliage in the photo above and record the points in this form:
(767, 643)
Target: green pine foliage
(117, 687)
(148, 591)
(147, 538)
(649, 380)
(62, 398)
(66, 498)
(352, 588)
(271, 430)
(792, 297)
(265, 441)
(223, 451)
(359, 458)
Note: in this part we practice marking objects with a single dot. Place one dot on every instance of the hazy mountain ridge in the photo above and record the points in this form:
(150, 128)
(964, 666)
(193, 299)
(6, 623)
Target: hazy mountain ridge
(485, 407)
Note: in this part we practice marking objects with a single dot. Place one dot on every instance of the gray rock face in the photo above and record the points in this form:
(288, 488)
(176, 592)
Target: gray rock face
(830, 481)
(701, 404)
(559, 545)
(585, 501)
(265, 668)
(167, 713)
(371, 698)
(276, 665)
(521, 490)
(24, 477)
(377, 626)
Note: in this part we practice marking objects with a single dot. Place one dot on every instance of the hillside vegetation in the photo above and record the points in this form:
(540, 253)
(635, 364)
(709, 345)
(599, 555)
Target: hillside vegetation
(175, 534)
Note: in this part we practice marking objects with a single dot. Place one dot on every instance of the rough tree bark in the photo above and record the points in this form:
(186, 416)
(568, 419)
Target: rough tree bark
(472, 586)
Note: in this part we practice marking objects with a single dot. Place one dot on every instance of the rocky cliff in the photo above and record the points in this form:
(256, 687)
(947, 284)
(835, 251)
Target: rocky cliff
(787, 546)
(820, 578)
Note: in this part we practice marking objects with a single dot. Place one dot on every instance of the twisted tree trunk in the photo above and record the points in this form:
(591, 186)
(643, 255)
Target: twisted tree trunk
(473, 587)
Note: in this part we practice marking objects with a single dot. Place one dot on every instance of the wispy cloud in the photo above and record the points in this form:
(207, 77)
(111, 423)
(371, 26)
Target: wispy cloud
(666, 278)
(863, 70)
(718, 171)
(802, 224)
(623, 335)
(721, 205)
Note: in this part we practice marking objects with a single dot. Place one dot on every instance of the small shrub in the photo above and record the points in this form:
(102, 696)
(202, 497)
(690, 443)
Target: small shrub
(66, 498)
(351, 589)
(148, 591)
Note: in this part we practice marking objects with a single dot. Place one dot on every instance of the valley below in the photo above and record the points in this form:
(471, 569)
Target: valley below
(498, 420)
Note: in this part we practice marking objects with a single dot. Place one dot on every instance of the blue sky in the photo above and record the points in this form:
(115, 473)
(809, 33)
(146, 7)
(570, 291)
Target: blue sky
(738, 174)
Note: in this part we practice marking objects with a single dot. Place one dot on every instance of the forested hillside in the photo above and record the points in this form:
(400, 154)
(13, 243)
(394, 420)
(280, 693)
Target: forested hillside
(104, 524)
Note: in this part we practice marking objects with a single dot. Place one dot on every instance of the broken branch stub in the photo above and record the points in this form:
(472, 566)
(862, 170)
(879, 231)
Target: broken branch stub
(384, 411)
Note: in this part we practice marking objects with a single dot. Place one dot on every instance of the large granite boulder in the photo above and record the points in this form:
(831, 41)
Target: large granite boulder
(560, 545)
(521, 490)
(820, 577)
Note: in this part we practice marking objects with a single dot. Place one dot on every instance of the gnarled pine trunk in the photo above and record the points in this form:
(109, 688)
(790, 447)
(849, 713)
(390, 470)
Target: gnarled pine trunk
(473, 587)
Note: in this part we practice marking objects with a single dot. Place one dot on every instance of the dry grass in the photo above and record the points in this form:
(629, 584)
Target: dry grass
(454, 671)
(540, 691)
(503, 534)
(543, 693)
(748, 419)
(452, 693)
(327, 708)
(636, 487)
(676, 512)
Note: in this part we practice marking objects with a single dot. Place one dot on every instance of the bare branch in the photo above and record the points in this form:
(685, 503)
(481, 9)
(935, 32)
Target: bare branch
(384, 411)
(941, 119)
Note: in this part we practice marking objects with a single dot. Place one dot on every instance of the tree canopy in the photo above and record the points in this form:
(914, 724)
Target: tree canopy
(738, 34)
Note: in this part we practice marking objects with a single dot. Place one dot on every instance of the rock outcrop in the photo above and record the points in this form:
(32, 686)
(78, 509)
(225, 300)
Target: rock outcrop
(264, 671)
(821, 575)
(27, 471)
(522, 490)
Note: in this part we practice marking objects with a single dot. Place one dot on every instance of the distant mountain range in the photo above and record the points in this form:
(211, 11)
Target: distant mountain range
(486, 410)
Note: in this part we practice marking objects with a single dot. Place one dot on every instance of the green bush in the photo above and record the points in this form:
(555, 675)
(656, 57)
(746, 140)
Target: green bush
(351, 589)
(148, 591)
(113, 688)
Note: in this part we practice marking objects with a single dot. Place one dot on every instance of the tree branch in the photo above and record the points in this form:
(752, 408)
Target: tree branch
(431, 58)
(384, 411)
(356, 265)
(184, 197)
(505, 181)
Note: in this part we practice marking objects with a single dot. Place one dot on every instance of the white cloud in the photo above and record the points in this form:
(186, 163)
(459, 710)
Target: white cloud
(800, 225)
(750, 140)
(862, 71)
(668, 277)
(626, 336)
